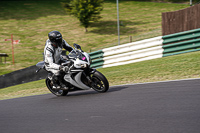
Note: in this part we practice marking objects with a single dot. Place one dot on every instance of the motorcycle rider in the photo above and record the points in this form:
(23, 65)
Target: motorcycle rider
(53, 58)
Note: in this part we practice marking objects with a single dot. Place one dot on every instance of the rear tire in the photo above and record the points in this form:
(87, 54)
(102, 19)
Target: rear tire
(100, 83)
(55, 92)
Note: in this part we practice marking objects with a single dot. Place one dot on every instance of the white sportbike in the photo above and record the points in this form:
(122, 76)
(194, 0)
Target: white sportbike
(79, 76)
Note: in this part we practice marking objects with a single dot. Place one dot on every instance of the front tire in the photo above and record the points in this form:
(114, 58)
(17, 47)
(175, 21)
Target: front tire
(55, 92)
(99, 82)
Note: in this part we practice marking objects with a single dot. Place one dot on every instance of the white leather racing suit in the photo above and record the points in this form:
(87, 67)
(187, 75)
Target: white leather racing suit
(52, 56)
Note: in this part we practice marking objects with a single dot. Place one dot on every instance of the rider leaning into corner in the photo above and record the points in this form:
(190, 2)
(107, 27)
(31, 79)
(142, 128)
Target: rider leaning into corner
(53, 58)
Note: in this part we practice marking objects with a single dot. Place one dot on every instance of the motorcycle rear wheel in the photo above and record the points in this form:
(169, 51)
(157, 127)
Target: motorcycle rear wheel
(55, 92)
(100, 83)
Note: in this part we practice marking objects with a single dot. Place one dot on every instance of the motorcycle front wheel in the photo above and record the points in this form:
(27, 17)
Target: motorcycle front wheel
(55, 92)
(99, 82)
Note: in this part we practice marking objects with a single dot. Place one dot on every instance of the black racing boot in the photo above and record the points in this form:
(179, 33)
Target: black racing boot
(62, 85)
(55, 82)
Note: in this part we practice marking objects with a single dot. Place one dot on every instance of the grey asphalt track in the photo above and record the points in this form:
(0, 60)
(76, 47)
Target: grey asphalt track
(164, 107)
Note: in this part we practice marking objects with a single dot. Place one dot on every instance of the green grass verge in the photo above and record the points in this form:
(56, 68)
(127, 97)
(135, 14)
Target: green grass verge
(168, 68)
(27, 89)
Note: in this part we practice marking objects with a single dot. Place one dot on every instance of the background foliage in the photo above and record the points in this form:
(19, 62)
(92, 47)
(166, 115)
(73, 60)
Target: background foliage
(85, 10)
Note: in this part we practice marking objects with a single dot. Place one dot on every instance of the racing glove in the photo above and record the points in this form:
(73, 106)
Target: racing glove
(64, 68)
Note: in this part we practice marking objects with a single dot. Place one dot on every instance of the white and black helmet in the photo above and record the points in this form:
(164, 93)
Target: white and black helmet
(56, 38)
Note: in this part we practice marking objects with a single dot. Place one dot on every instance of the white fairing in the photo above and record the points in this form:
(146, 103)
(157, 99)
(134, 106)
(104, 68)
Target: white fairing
(80, 63)
(77, 82)
(88, 57)
(80, 60)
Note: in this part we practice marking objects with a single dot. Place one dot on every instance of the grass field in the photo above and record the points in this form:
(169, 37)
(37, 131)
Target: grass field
(31, 20)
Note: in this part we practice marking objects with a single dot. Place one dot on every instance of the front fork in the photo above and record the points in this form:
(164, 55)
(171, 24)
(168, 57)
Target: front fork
(89, 72)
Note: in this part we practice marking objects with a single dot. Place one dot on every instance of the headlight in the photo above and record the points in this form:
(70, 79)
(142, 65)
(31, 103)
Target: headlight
(83, 65)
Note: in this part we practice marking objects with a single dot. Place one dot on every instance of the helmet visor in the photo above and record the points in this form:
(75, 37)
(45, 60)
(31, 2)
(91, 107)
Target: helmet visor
(58, 41)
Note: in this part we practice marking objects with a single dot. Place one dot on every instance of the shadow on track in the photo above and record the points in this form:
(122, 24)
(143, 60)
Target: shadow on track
(92, 92)
(83, 93)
